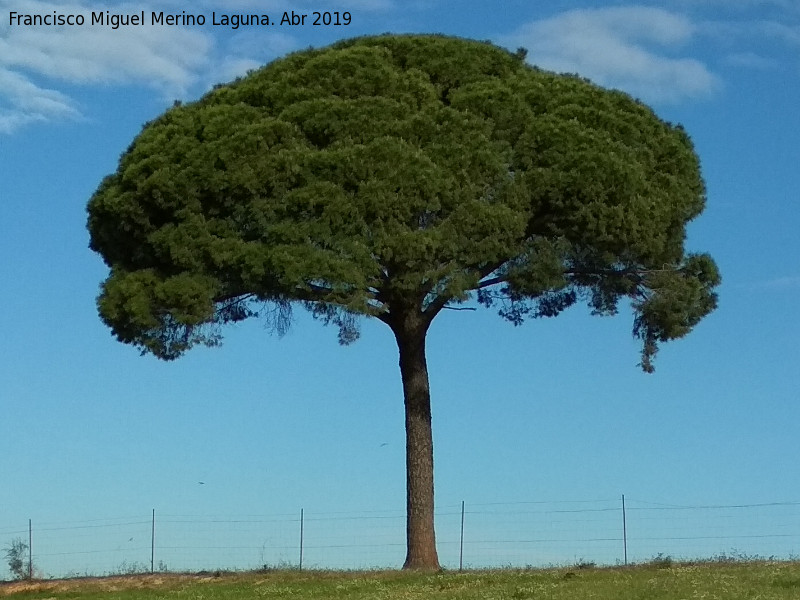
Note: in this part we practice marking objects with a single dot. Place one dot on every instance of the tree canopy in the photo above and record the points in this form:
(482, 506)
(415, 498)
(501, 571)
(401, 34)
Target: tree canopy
(395, 167)
(393, 176)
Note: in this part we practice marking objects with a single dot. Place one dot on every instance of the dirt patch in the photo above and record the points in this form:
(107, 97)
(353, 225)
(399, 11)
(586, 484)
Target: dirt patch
(106, 584)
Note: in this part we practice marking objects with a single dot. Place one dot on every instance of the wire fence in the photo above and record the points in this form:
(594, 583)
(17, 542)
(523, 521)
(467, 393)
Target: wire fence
(514, 534)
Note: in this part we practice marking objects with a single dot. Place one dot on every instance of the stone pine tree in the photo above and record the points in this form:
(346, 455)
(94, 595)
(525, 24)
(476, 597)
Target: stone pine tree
(393, 177)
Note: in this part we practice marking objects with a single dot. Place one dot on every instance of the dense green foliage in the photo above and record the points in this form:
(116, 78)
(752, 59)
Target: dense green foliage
(394, 174)
(766, 581)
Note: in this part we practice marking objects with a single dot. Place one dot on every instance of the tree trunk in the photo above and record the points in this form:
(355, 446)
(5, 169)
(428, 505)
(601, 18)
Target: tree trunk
(410, 334)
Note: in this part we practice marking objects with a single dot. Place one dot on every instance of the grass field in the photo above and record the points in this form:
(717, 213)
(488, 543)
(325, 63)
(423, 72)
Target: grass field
(762, 581)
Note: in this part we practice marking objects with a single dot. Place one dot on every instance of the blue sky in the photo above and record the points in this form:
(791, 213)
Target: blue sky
(552, 411)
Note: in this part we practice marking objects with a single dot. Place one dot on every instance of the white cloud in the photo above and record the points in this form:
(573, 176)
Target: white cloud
(756, 43)
(174, 60)
(789, 34)
(167, 59)
(751, 60)
(92, 55)
(23, 102)
(753, 30)
(742, 4)
(615, 47)
(231, 68)
(245, 52)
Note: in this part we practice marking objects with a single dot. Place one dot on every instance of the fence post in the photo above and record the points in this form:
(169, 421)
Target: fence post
(461, 549)
(153, 543)
(624, 532)
(30, 550)
(301, 540)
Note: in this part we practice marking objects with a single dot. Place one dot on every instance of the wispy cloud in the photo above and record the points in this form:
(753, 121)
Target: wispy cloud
(166, 59)
(175, 61)
(741, 4)
(787, 33)
(754, 43)
(623, 47)
(23, 102)
(751, 60)
(750, 31)
(244, 51)
(786, 282)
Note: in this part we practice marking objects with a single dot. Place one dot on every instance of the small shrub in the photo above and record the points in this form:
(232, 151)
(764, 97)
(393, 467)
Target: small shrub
(15, 556)
(735, 556)
(281, 565)
(131, 568)
(661, 561)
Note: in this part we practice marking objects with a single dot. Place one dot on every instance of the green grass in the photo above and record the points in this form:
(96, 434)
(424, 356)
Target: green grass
(763, 581)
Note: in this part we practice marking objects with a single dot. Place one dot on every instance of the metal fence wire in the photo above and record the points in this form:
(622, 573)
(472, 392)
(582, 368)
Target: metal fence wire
(510, 534)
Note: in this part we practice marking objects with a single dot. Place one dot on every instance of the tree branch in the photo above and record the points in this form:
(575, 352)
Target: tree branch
(594, 272)
(492, 281)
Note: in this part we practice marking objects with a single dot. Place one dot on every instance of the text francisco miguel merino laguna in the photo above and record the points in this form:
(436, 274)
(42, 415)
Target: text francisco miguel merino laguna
(114, 21)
